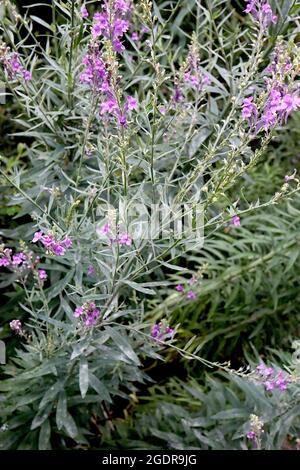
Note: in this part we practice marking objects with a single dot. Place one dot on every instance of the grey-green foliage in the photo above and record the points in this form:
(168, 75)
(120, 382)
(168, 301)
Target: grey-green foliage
(65, 379)
(61, 386)
(216, 415)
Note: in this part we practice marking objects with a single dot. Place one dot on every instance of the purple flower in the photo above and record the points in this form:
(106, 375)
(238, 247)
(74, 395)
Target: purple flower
(161, 332)
(179, 288)
(122, 6)
(78, 312)
(4, 261)
(264, 370)
(288, 178)
(15, 63)
(26, 75)
(120, 27)
(108, 106)
(249, 110)
(262, 12)
(155, 330)
(16, 326)
(122, 120)
(58, 249)
(191, 295)
(251, 435)
(47, 240)
(90, 270)
(84, 12)
(105, 229)
(67, 242)
(42, 274)
(124, 239)
(135, 36)
(162, 109)
(131, 103)
(235, 221)
(178, 96)
(18, 259)
(88, 312)
(37, 236)
(269, 385)
(118, 46)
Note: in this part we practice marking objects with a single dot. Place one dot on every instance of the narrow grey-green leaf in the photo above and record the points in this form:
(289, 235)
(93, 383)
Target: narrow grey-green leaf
(83, 376)
(44, 436)
(70, 426)
(61, 410)
(123, 344)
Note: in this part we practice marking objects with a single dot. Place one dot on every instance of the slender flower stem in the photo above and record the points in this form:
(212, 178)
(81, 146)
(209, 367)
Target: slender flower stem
(70, 76)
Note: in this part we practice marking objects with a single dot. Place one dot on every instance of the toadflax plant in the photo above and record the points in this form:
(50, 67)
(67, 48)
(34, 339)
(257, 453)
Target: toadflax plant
(136, 132)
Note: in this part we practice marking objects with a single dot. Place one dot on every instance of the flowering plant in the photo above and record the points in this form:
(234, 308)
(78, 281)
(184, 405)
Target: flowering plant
(134, 148)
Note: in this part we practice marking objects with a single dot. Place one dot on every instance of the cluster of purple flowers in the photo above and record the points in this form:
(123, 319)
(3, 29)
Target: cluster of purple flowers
(121, 239)
(282, 96)
(192, 78)
(112, 22)
(190, 294)
(51, 244)
(88, 312)
(271, 379)
(262, 12)
(109, 25)
(161, 332)
(12, 64)
(21, 262)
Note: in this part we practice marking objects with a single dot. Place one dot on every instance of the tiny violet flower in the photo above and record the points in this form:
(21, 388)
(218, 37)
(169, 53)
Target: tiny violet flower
(18, 259)
(42, 274)
(162, 110)
(131, 103)
(90, 270)
(250, 435)
(191, 295)
(37, 236)
(289, 178)
(179, 288)
(67, 242)
(135, 36)
(26, 75)
(16, 326)
(58, 249)
(105, 229)
(84, 12)
(88, 312)
(52, 245)
(4, 261)
(124, 239)
(235, 221)
(161, 332)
